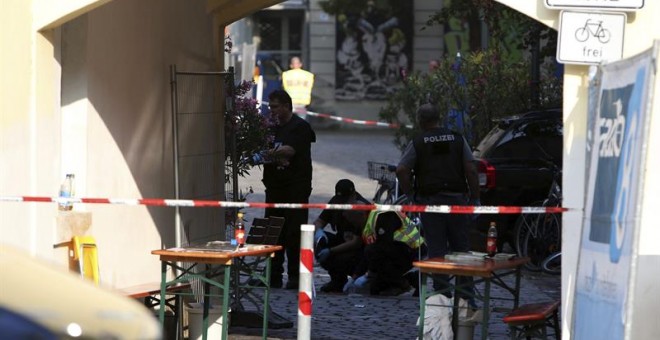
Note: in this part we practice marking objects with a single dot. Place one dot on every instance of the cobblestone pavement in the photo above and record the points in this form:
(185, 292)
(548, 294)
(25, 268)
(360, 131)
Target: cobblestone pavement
(344, 154)
(353, 316)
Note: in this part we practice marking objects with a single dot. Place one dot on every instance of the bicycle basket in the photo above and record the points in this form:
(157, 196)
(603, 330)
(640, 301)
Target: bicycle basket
(380, 171)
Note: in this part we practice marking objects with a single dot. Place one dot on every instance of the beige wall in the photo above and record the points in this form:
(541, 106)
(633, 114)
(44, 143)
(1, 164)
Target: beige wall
(29, 135)
(112, 127)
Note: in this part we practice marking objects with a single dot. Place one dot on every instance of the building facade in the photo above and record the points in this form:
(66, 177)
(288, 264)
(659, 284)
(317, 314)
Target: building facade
(358, 58)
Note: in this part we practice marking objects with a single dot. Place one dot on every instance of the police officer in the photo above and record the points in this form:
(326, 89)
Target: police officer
(445, 174)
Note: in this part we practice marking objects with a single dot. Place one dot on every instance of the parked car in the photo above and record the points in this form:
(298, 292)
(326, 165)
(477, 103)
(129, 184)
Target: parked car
(512, 160)
(38, 301)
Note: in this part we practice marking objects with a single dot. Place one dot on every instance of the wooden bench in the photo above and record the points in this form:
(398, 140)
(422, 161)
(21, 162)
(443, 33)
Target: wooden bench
(531, 320)
(149, 293)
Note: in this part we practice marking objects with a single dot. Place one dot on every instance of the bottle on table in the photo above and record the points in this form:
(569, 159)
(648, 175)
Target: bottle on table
(240, 230)
(230, 233)
(491, 240)
(67, 189)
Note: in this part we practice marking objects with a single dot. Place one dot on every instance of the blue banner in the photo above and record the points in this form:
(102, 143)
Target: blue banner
(615, 161)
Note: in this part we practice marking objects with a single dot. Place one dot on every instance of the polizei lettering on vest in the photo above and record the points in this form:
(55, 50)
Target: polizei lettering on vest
(439, 138)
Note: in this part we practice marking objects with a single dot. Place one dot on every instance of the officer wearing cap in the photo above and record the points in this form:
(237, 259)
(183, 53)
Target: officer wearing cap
(338, 239)
(445, 174)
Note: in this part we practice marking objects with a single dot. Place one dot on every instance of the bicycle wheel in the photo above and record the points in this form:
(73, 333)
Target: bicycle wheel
(581, 34)
(383, 194)
(543, 239)
(524, 224)
(552, 264)
(604, 36)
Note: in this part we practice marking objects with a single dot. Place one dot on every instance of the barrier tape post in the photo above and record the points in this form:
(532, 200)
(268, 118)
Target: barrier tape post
(305, 281)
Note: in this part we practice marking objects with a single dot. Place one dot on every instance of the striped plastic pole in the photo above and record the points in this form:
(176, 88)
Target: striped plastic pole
(305, 281)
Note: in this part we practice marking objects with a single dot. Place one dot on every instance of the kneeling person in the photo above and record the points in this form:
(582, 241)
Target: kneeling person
(337, 242)
(392, 244)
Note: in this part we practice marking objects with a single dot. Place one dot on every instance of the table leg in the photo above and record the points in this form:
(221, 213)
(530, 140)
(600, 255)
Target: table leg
(266, 301)
(225, 303)
(486, 311)
(516, 292)
(177, 315)
(456, 309)
(163, 289)
(422, 304)
(266, 311)
(205, 314)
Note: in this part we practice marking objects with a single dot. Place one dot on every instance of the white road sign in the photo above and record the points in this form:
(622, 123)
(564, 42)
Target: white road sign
(590, 38)
(599, 4)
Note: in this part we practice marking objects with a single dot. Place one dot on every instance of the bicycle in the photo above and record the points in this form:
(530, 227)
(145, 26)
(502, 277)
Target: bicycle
(552, 264)
(538, 236)
(387, 190)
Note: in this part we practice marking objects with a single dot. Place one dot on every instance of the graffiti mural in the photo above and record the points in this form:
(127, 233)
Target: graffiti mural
(374, 50)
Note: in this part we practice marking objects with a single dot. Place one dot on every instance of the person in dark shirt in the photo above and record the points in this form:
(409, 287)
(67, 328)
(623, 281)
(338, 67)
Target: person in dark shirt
(288, 179)
(338, 239)
(445, 174)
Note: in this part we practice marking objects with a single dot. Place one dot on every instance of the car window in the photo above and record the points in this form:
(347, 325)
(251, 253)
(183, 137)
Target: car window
(532, 139)
(488, 142)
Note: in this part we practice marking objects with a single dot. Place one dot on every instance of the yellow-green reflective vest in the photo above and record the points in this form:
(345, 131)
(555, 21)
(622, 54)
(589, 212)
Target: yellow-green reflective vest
(298, 84)
(407, 233)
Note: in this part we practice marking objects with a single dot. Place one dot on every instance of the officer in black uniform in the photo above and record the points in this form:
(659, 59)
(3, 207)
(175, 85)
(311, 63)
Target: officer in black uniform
(445, 174)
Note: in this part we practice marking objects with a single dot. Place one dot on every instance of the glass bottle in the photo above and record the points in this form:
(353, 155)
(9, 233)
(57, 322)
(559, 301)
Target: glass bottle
(491, 240)
(240, 230)
(67, 189)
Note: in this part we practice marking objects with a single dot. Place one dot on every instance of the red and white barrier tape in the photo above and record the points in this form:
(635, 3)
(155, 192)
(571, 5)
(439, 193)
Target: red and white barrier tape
(304, 111)
(441, 209)
(350, 120)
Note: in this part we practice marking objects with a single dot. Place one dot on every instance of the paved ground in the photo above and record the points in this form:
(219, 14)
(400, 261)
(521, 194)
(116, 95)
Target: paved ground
(341, 316)
(344, 154)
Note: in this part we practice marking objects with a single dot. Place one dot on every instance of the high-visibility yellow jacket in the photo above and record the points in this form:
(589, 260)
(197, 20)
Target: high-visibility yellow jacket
(407, 233)
(298, 84)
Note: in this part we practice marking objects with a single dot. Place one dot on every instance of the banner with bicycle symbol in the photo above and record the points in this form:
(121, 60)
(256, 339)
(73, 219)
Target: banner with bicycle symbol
(589, 37)
(618, 125)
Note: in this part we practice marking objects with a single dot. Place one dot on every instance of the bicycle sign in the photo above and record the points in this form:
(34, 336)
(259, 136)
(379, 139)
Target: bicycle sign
(590, 38)
(594, 29)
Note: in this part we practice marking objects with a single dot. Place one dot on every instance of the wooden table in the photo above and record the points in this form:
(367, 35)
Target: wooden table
(217, 261)
(487, 271)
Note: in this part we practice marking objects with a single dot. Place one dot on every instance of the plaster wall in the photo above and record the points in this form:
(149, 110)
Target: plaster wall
(29, 137)
(111, 128)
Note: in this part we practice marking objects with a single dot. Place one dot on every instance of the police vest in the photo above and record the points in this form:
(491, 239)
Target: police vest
(298, 84)
(407, 233)
(439, 166)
